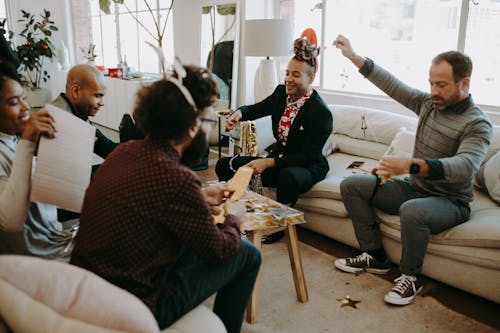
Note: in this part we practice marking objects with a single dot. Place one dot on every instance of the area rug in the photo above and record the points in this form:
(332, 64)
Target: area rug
(281, 312)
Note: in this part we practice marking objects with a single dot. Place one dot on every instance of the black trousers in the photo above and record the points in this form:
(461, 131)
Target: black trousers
(289, 182)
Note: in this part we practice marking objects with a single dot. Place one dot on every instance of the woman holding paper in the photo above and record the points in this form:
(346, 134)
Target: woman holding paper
(25, 227)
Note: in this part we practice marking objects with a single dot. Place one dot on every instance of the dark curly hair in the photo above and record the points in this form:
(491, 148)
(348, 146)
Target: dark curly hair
(8, 71)
(305, 51)
(163, 113)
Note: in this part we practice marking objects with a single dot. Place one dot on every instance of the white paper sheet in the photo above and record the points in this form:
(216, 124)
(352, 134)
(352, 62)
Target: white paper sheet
(63, 164)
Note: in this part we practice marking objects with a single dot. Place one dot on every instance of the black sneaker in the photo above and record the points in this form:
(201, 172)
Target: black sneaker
(405, 290)
(273, 238)
(363, 262)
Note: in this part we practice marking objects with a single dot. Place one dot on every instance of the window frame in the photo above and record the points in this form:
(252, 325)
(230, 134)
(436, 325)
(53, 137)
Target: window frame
(358, 97)
(117, 12)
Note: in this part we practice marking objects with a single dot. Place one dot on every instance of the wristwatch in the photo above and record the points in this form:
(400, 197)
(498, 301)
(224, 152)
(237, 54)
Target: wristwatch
(414, 168)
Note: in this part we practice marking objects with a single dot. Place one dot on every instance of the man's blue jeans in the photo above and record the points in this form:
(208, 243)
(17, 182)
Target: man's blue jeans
(420, 215)
(197, 280)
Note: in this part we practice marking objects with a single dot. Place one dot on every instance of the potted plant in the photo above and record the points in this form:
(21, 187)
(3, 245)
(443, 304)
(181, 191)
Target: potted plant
(36, 47)
(89, 53)
(159, 27)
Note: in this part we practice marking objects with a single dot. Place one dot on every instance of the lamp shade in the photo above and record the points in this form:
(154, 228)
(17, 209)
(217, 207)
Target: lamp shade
(268, 37)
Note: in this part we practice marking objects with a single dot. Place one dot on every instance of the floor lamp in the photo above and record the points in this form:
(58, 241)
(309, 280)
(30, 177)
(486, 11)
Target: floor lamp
(267, 38)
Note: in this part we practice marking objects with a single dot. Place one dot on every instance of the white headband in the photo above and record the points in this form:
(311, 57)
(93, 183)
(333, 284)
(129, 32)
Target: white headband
(179, 70)
(181, 74)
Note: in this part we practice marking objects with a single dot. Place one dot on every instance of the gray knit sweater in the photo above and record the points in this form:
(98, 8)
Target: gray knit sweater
(456, 137)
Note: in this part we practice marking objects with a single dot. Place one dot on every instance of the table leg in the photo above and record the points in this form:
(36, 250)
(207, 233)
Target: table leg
(253, 303)
(219, 139)
(296, 263)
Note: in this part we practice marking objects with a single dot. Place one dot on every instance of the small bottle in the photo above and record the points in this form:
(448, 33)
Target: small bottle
(125, 66)
(119, 69)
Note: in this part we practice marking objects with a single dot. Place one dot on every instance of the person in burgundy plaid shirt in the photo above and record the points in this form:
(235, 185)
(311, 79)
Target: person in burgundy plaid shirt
(301, 123)
(146, 224)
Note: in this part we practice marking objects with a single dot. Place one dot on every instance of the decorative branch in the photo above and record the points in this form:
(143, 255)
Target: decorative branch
(105, 7)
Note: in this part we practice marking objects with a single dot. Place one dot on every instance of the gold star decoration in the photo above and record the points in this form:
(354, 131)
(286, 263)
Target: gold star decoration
(347, 301)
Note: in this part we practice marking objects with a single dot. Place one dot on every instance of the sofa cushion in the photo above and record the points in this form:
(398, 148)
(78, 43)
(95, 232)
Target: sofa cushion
(475, 256)
(329, 188)
(480, 231)
(381, 126)
(323, 206)
(491, 172)
(349, 145)
(59, 297)
(200, 319)
(494, 144)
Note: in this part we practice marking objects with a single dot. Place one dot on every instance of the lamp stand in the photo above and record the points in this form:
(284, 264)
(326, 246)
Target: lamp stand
(266, 79)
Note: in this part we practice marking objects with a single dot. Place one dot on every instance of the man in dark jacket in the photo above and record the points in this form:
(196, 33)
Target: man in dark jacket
(84, 97)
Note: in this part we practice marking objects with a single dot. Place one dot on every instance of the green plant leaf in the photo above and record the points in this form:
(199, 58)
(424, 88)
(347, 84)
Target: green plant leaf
(104, 5)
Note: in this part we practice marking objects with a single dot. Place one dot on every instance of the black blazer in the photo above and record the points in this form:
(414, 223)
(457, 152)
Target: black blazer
(310, 129)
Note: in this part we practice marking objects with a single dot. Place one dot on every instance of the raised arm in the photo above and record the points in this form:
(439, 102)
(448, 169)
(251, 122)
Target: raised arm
(15, 179)
(344, 45)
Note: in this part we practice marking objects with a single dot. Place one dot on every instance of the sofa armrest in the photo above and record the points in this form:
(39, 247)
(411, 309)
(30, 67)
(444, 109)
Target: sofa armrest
(200, 319)
(264, 133)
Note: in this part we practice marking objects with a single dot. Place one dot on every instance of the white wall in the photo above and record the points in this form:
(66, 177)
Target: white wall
(187, 37)
(187, 30)
(60, 10)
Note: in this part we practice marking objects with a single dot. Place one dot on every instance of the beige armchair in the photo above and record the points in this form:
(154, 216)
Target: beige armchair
(39, 295)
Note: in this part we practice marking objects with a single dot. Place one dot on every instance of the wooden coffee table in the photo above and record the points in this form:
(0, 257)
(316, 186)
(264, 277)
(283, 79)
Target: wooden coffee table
(267, 216)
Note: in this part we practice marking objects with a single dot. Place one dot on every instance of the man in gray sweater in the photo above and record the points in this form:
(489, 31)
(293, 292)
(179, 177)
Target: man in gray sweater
(451, 141)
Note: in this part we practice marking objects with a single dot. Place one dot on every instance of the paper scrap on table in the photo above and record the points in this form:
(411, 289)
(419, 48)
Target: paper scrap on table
(63, 164)
(239, 184)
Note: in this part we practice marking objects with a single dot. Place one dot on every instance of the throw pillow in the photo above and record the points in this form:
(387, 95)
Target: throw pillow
(329, 147)
(495, 143)
(492, 177)
(59, 297)
(402, 145)
(379, 126)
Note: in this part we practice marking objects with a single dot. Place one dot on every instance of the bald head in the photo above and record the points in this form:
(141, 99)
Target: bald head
(85, 89)
(83, 75)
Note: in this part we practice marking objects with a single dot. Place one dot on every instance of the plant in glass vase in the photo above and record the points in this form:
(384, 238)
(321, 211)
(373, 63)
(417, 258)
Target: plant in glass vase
(159, 27)
(89, 53)
(36, 47)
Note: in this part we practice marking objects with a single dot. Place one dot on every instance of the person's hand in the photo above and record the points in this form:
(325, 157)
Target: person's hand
(217, 194)
(393, 166)
(233, 119)
(261, 164)
(39, 123)
(236, 208)
(344, 45)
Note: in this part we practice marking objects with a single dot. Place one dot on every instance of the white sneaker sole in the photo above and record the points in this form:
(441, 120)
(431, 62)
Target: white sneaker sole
(346, 268)
(350, 269)
(396, 300)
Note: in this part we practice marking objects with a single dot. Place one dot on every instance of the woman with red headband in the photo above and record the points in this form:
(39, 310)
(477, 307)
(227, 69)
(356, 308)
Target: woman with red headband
(301, 123)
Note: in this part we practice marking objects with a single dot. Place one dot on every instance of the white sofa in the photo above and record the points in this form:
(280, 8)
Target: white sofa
(466, 256)
(39, 295)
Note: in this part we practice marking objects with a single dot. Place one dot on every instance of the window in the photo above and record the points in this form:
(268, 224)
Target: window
(3, 17)
(118, 35)
(482, 44)
(403, 36)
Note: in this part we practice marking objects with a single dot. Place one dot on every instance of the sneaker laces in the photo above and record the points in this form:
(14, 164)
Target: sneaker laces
(361, 258)
(403, 283)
